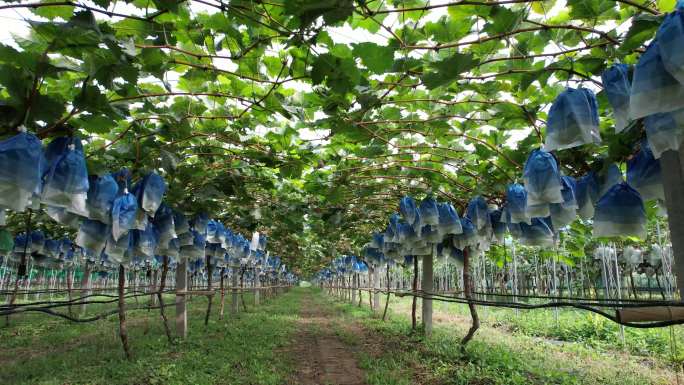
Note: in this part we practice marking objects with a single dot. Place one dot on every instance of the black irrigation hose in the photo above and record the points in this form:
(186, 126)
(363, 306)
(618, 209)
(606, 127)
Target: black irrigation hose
(610, 303)
(82, 320)
(524, 306)
(48, 291)
(562, 297)
(79, 300)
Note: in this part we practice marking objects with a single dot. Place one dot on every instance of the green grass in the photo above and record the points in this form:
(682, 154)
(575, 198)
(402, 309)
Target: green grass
(252, 348)
(495, 356)
(37, 349)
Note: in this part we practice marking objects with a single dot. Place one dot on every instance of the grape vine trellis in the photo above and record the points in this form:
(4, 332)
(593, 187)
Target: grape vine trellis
(268, 106)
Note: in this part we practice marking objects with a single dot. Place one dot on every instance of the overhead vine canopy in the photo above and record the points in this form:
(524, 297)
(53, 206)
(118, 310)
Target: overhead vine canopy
(309, 119)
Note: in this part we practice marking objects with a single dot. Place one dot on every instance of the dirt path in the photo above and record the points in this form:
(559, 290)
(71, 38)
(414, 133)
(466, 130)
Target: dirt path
(321, 357)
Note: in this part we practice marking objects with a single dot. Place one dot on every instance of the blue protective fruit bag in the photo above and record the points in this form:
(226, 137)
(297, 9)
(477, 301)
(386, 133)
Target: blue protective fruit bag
(670, 37)
(407, 208)
(101, 194)
(610, 176)
(644, 174)
(92, 235)
(431, 234)
(468, 237)
(478, 213)
(654, 89)
(200, 222)
(428, 213)
(449, 223)
(65, 182)
(573, 120)
(21, 169)
(119, 251)
(539, 233)
(144, 242)
(542, 180)
(498, 226)
(63, 217)
(586, 194)
(617, 86)
(124, 210)
(149, 191)
(164, 224)
(181, 223)
(620, 212)
(562, 214)
(665, 131)
(516, 203)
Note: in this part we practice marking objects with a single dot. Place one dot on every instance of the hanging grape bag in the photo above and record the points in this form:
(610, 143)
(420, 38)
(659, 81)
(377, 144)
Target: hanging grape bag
(620, 212)
(562, 214)
(610, 176)
(428, 213)
(407, 208)
(21, 170)
(469, 235)
(478, 212)
(670, 37)
(199, 223)
(117, 249)
(573, 120)
(654, 89)
(65, 182)
(665, 131)
(149, 192)
(644, 174)
(539, 233)
(617, 87)
(586, 194)
(124, 211)
(542, 183)
(449, 223)
(92, 235)
(101, 194)
(516, 203)
(164, 224)
(431, 234)
(181, 223)
(498, 226)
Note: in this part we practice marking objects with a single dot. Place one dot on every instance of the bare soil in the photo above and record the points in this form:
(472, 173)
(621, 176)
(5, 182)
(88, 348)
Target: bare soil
(322, 358)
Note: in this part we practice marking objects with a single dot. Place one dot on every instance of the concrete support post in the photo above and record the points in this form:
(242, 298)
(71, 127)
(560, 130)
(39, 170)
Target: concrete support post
(353, 288)
(672, 164)
(427, 288)
(376, 288)
(257, 287)
(234, 304)
(181, 304)
(86, 285)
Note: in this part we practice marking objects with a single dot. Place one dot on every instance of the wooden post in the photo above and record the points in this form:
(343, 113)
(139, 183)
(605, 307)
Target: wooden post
(69, 281)
(467, 291)
(427, 290)
(160, 298)
(384, 313)
(257, 287)
(672, 163)
(354, 286)
(210, 297)
(86, 284)
(234, 305)
(181, 305)
(122, 312)
(376, 289)
(223, 293)
(414, 288)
